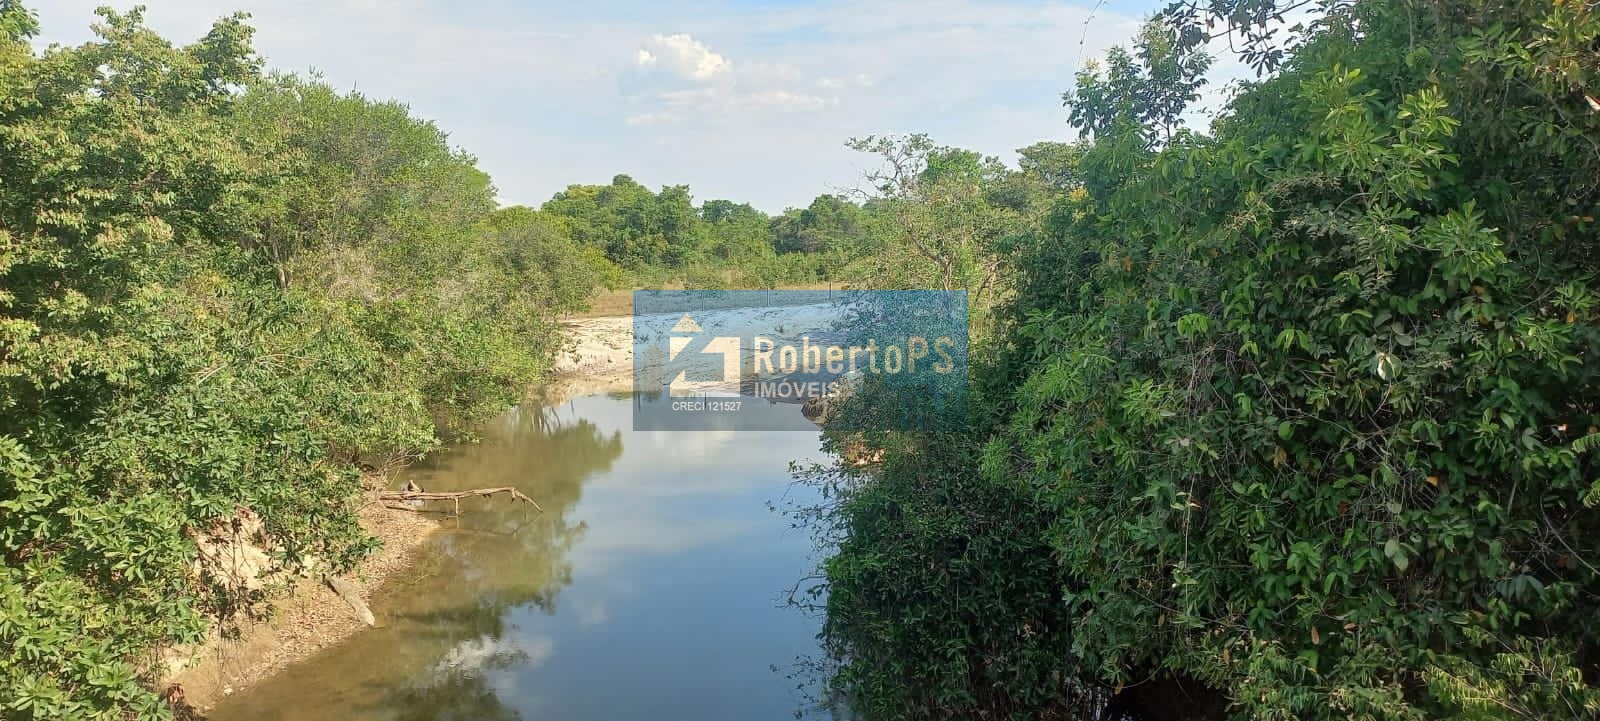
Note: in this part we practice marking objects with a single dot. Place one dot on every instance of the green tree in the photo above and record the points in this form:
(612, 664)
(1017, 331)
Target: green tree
(1144, 92)
(935, 226)
(830, 222)
(1045, 171)
(17, 23)
(636, 228)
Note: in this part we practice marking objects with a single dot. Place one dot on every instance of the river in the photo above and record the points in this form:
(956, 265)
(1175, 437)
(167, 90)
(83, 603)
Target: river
(654, 585)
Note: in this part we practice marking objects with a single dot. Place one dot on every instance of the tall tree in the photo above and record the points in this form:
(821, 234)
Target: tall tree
(935, 216)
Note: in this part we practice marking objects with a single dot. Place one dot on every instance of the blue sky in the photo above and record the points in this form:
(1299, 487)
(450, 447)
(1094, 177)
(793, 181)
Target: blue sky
(747, 100)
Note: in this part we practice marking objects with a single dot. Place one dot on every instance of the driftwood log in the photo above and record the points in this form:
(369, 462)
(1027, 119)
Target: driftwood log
(352, 596)
(456, 496)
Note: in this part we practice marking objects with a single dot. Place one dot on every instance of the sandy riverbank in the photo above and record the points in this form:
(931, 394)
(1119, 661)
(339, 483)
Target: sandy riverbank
(599, 356)
(599, 359)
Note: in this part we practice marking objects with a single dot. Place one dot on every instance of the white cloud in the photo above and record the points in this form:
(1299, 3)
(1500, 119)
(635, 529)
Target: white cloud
(683, 55)
(678, 79)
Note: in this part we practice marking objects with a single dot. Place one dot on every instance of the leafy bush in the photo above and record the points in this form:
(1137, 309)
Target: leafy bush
(1309, 404)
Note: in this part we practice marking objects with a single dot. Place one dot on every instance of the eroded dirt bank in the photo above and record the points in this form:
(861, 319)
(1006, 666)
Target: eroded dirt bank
(306, 618)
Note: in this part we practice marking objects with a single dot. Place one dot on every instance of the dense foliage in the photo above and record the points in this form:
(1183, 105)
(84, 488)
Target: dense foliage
(1294, 419)
(220, 290)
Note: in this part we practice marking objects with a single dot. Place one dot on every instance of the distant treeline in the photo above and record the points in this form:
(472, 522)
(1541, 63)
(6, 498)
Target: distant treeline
(878, 236)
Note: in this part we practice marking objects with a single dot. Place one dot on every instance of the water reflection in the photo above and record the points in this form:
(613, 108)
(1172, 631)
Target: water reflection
(647, 589)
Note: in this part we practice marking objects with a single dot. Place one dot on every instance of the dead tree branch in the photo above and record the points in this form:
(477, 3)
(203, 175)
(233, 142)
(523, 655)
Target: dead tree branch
(456, 496)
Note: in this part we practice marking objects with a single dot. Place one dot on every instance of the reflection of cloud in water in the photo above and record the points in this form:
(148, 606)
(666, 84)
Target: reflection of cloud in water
(674, 492)
(483, 652)
(642, 518)
(643, 534)
(592, 614)
(685, 444)
(698, 462)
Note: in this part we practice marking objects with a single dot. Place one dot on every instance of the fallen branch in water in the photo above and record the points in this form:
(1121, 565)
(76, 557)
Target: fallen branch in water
(415, 508)
(456, 496)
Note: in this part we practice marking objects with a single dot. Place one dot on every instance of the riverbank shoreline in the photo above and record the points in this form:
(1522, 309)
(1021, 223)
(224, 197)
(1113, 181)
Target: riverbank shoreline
(308, 616)
(305, 618)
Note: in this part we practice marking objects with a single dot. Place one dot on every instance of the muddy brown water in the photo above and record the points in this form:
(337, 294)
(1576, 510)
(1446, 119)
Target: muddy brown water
(653, 586)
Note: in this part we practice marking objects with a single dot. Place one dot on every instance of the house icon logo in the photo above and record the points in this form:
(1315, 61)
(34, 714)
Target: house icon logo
(699, 364)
